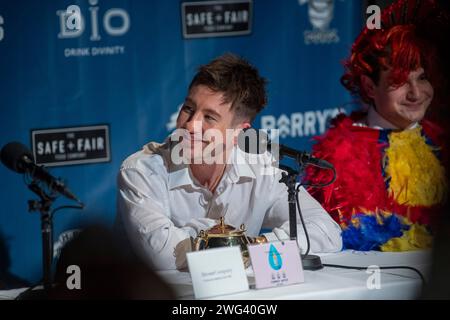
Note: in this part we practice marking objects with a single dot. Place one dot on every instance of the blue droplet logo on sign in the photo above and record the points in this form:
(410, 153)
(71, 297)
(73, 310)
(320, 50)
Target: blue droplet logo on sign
(275, 260)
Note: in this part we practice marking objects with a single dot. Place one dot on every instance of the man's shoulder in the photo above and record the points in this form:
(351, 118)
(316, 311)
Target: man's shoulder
(150, 158)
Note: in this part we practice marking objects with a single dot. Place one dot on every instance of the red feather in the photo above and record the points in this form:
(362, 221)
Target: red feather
(356, 154)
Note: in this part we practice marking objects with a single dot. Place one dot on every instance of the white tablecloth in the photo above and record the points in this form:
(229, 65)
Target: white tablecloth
(333, 283)
(327, 283)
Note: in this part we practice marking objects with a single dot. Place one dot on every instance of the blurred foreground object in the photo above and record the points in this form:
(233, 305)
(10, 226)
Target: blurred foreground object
(108, 270)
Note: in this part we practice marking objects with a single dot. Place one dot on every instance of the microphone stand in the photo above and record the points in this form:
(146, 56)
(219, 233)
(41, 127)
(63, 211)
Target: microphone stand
(309, 262)
(43, 206)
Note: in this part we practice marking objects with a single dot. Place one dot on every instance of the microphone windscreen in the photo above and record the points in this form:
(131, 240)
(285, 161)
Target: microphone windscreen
(12, 154)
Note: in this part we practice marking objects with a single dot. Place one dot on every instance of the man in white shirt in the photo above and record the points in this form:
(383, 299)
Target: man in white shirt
(169, 192)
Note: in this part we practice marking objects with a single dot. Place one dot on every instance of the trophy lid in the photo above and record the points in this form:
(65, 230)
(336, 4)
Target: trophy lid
(225, 229)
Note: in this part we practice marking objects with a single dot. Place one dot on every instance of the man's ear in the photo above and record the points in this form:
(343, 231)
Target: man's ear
(368, 86)
(242, 126)
(245, 125)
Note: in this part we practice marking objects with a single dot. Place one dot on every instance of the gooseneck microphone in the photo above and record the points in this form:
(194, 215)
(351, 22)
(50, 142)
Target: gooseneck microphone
(257, 141)
(18, 158)
(302, 156)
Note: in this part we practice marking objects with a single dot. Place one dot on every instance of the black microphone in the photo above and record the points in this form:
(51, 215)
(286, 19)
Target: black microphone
(302, 156)
(257, 141)
(18, 158)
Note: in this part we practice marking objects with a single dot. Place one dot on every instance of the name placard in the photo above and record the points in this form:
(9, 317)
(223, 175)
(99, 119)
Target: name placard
(216, 272)
(276, 264)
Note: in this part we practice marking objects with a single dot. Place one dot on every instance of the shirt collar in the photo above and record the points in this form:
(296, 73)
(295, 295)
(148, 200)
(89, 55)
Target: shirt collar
(376, 121)
(241, 167)
(180, 175)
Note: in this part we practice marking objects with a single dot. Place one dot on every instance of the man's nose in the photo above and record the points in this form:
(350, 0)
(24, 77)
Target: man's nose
(194, 123)
(413, 91)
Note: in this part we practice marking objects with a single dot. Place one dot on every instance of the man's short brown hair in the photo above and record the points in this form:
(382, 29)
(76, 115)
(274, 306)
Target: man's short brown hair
(239, 81)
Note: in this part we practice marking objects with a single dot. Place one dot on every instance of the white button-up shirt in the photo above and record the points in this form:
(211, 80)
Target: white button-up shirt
(161, 206)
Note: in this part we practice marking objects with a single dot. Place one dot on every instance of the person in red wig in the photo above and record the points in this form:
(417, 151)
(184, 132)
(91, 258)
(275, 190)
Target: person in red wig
(390, 178)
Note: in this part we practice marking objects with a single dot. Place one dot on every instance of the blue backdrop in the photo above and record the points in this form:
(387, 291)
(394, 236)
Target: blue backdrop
(134, 79)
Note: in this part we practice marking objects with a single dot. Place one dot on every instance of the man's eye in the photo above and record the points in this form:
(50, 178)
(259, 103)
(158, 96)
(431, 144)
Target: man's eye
(209, 118)
(187, 109)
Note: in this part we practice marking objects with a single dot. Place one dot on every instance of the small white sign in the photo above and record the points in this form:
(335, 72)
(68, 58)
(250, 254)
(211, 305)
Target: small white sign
(276, 264)
(216, 272)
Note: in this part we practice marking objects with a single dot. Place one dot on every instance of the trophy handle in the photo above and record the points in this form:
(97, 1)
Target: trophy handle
(258, 240)
(200, 242)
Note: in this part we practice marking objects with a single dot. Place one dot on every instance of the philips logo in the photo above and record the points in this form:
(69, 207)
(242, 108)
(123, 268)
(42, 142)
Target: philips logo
(320, 14)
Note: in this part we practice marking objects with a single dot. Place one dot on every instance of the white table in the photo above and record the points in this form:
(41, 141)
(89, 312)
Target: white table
(333, 283)
(327, 283)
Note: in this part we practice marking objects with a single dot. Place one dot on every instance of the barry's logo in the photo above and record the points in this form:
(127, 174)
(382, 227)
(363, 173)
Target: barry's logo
(299, 124)
(72, 22)
(320, 13)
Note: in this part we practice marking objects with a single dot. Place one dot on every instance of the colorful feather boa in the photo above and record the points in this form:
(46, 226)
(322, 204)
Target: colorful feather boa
(388, 186)
(416, 176)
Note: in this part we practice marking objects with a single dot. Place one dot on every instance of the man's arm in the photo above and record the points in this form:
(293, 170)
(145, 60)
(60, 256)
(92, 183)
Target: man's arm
(142, 206)
(324, 233)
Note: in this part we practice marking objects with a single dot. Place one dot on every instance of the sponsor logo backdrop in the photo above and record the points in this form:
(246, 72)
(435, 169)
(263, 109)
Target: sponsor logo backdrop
(126, 64)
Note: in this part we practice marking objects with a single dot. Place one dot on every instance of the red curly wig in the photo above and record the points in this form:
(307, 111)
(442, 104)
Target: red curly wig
(400, 49)
(410, 31)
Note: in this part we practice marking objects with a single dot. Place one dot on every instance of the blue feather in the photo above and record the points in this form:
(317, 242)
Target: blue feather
(369, 234)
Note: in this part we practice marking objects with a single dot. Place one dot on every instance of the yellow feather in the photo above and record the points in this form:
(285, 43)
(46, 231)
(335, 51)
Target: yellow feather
(417, 237)
(417, 176)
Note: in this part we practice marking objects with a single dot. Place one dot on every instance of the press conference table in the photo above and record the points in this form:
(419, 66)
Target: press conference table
(327, 283)
(333, 283)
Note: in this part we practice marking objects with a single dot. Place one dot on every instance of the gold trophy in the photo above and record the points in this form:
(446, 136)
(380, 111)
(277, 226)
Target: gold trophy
(224, 235)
